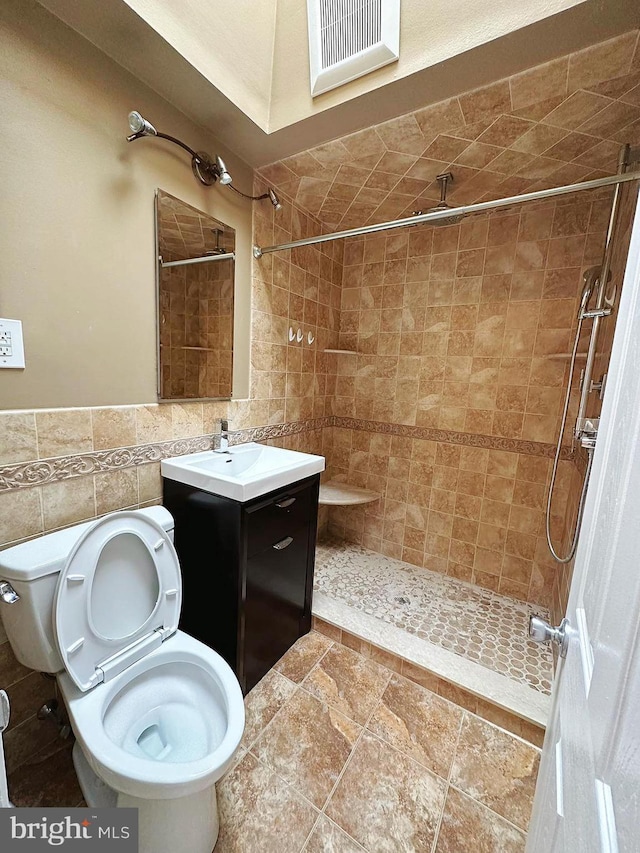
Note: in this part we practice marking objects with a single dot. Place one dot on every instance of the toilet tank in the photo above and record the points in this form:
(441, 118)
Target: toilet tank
(32, 569)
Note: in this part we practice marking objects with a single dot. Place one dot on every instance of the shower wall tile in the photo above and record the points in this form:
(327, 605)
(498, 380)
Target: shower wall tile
(557, 123)
(604, 61)
(476, 514)
(466, 335)
(451, 360)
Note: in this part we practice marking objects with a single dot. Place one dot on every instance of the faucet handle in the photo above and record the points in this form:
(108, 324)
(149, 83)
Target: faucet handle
(224, 423)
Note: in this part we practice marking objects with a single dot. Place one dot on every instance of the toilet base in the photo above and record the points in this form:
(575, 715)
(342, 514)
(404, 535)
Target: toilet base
(164, 826)
(97, 794)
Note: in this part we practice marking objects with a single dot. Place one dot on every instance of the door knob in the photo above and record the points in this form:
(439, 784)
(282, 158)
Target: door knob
(541, 632)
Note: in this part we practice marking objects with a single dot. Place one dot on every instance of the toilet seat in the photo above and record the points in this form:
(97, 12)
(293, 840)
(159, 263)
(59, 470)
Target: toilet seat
(117, 599)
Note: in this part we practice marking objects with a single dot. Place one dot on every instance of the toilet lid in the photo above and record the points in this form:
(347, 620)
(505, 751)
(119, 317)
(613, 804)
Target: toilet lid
(118, 597)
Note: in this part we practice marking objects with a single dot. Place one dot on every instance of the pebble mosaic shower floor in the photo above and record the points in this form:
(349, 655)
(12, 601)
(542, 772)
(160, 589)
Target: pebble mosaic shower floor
(480, 625)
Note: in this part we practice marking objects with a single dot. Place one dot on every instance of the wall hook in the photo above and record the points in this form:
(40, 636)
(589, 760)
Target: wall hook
(310, 338)
(292, 334)
(299, 335)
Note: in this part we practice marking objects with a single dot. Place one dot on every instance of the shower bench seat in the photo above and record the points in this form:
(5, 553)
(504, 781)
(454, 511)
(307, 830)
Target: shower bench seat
(334, 493)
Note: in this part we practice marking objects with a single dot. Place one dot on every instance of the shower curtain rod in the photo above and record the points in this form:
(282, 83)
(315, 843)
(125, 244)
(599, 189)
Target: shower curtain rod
(610, 180)
(226, 256)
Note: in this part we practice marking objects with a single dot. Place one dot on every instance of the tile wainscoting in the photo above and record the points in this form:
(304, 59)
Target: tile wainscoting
(464, 504)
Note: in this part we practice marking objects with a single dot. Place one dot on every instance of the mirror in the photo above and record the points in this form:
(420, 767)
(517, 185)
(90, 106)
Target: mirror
(195, 302)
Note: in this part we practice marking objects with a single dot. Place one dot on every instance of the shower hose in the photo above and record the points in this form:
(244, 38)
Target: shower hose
(554, 471)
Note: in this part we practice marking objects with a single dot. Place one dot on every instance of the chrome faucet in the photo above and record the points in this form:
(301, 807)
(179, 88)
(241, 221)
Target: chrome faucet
(221, 439)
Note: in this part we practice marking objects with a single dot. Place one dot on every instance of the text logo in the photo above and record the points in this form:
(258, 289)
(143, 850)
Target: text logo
(36, 830)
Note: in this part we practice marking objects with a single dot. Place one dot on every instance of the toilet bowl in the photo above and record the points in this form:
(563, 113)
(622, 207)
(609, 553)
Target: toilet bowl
(158, 716)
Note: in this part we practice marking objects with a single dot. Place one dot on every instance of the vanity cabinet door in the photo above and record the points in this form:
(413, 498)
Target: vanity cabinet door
(277, 607)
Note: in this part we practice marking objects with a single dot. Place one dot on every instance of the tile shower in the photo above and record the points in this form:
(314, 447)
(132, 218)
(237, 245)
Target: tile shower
(447, 397)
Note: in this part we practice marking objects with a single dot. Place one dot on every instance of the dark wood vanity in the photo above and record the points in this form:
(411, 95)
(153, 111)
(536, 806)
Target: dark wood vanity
(247, 570)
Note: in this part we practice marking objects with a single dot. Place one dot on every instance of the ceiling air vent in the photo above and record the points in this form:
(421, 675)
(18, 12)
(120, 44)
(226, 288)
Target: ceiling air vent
(349, 38)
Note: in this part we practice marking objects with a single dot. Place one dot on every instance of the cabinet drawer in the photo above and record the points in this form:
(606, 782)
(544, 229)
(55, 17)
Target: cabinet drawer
(271, 521)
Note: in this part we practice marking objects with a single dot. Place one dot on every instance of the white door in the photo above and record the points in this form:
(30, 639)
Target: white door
(588, 794)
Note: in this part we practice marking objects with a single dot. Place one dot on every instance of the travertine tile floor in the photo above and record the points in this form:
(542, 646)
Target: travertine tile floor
(341, 755)
(480, 625)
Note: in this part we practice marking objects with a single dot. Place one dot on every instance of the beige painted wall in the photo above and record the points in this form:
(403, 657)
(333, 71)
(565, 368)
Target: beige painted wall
(77, 236)
(430, 33)
(230, 42)
(132, 42)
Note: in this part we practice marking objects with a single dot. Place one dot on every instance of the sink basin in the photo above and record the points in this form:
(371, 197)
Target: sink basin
(246, 471)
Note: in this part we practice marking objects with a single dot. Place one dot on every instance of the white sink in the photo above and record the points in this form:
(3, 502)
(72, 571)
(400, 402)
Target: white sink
(245, 471)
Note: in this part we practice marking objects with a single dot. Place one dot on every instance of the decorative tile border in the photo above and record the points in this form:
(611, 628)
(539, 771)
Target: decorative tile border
(39, 472)
(491, 442)
(42, 471)
(265, 433)
(79, 465)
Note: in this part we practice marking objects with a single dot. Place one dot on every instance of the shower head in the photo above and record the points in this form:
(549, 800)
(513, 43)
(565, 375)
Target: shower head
(217, 249)
(140, 126)
(590, 278)
(443, 180)
(273, 198)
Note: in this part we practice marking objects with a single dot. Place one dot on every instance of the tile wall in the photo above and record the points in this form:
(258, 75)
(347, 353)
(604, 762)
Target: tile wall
(463, 329)
(553, 124)
(564, 572)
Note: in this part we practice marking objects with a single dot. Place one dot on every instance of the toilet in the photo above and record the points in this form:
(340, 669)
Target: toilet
(158, 716)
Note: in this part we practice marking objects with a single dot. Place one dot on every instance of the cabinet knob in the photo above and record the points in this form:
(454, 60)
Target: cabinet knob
(284, 543)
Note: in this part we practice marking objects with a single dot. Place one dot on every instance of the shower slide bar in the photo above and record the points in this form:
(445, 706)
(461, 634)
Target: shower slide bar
(463, 210)
(227, 256)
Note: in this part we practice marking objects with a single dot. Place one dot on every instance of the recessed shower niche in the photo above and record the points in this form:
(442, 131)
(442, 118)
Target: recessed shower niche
(195, 296)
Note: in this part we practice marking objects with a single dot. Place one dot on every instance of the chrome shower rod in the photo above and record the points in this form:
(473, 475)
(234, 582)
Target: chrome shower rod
(463, 210)
(228, 256)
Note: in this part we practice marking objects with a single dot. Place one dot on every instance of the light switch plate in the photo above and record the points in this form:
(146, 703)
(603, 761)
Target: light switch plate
(11, 343)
